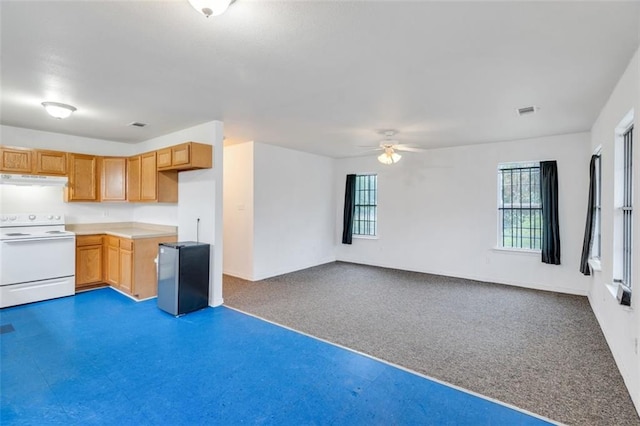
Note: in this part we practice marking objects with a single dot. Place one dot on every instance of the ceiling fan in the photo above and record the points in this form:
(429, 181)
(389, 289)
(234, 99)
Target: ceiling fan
(390, 146)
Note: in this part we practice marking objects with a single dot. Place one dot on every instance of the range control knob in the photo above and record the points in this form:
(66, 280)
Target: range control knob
(32, 217)
(13, 217)
(4, 218)
(50, 217)
(57, 217)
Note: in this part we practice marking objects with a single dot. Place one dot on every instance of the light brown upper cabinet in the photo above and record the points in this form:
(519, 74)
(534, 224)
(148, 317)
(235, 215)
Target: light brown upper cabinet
(148, 179)
(133, 178)
(113, 179)
(50, 163)
(83, 178)
(28, 161)
(16, 160)
(145, 183)
(186, 156)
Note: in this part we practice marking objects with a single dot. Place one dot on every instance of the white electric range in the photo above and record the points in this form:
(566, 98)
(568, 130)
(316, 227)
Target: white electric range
(37, 258)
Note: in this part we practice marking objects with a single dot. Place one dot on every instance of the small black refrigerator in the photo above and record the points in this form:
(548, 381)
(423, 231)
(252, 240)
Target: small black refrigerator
(183, 277)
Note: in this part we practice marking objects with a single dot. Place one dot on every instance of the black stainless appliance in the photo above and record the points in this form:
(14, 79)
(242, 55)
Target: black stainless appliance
(183, 277)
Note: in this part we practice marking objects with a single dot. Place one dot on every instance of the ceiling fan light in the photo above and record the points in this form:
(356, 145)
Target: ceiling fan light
(389, 158)
(210, 7)
(58, 110)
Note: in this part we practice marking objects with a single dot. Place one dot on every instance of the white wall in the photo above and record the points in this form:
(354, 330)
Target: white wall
(620, 325)
(278, 210)
(293, 210)
(47, 199)
(238, 210)
(438, 213)
(200, 196)
(28, 138)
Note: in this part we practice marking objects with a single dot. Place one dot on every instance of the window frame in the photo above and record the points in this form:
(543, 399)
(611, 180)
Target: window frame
(531, 207)
(372, 204)
(627, 208)
(622, 259)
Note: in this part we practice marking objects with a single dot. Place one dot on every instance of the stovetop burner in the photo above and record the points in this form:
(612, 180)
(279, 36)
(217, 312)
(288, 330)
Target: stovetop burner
(56, 232)
(16, 234)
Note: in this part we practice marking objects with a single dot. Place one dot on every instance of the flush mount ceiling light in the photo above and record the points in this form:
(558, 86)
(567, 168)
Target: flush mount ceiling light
(211, 7)
(58, 110)
(389, 156)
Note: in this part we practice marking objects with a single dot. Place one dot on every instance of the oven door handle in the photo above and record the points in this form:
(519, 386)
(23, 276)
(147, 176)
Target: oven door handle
(28, 240)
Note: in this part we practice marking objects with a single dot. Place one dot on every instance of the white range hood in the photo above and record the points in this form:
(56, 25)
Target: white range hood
(15, 179)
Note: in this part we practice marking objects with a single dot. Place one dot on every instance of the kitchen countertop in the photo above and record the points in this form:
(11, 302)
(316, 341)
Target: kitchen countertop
(131, 230)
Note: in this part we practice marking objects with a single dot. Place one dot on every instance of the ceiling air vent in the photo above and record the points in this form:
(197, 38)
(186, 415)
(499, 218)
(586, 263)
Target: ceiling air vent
(137, 124)
(527, 110)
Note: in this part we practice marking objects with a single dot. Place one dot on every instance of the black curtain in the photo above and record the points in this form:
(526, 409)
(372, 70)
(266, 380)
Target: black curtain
(550, 225)
(591, 211)
(349, 205)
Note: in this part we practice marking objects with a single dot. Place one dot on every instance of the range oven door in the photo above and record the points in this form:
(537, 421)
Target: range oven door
(36, 259)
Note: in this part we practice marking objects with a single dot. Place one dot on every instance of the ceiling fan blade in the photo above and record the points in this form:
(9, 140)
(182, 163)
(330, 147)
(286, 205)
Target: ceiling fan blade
(408, 148)
(371, 148)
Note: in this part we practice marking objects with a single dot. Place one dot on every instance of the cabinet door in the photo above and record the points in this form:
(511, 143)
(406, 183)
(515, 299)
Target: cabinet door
(113, 179)
(83, 178)
(148, 177)
(113, 262)
(16, 160)
(164, 158)
(133, 178)
(88, 265)
(180, 154)
(126, 270)
(51, 163)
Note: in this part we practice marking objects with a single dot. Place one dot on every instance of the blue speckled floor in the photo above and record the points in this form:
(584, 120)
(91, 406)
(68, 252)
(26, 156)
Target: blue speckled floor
(100, 358)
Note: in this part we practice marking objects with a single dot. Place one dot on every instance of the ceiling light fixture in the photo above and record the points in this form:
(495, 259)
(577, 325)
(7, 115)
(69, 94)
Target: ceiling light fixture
(210, 7)
(58, 110)
(389, 156)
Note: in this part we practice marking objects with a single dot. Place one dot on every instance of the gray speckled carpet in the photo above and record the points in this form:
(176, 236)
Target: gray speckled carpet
(541, 351)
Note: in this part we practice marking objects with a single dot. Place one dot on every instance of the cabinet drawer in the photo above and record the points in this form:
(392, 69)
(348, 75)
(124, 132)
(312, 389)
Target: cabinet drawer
(113, 241)
(88, 240)
(126, 244)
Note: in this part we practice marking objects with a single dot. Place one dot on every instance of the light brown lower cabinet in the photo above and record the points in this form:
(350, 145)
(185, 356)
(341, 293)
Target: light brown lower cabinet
(112, 260)
(130, 264)
(89, 261)
(122, 263)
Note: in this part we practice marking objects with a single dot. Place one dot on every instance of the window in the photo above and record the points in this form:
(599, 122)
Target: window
(519, 206)
(365, 215)
(596, 242)
(627, 207)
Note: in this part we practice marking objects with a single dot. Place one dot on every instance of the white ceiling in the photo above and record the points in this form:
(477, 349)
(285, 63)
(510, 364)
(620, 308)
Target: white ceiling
(315, 76)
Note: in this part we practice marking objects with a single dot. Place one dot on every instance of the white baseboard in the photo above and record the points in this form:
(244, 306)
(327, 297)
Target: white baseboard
(534, 286)
(626, 376)
(240, 275)
(282, 271)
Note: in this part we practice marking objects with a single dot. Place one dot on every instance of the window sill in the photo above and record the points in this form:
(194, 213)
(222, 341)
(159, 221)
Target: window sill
(595, 264)
(613, 289)
(365, 237)
(517, 251)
